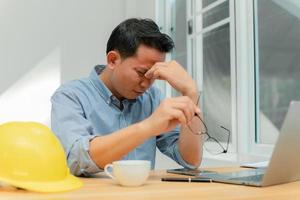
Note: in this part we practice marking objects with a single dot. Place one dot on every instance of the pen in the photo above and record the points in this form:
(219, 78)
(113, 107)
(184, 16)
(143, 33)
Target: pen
(181, 179)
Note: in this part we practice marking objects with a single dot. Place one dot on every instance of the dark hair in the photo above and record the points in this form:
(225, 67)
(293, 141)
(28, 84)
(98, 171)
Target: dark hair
(131, 33)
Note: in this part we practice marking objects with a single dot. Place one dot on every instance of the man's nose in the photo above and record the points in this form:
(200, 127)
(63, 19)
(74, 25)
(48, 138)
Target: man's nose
(145, 82)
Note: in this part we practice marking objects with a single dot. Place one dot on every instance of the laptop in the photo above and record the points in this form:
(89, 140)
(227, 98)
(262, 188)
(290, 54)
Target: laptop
(284, 165)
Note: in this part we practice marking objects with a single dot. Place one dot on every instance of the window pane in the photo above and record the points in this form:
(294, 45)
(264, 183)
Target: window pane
(206, 2)
(217, 84)
(216, 14)
(278, 64)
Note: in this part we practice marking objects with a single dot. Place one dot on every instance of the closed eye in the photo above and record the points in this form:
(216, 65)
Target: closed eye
(141, 74)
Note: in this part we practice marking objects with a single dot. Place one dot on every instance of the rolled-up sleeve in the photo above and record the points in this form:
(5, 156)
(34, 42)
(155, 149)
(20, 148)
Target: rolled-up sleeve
(168, 145)
(74, 131)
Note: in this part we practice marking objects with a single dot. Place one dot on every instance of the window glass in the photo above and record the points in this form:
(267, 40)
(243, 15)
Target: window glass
(206, 2)
(216, 14)
(217, 81)
(277, 40)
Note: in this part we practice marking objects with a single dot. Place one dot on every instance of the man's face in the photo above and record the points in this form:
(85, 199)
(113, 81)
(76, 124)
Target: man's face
(127, 79)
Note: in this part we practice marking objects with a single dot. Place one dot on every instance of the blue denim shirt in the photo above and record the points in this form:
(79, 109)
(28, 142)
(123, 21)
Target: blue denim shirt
(86, 108)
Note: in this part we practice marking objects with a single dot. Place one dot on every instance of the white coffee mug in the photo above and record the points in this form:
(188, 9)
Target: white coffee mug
(129, 172)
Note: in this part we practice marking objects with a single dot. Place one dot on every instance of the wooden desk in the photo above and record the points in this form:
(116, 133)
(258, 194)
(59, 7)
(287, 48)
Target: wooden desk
(103, 188)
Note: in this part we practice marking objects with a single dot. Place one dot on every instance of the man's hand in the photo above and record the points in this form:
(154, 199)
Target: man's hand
(170, 113)
(175, 75)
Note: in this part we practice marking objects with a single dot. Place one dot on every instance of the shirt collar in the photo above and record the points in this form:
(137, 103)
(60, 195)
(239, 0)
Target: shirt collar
(98, 83)
(101, 87)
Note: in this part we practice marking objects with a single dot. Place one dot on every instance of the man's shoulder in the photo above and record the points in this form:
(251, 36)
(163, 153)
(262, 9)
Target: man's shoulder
(74, 86)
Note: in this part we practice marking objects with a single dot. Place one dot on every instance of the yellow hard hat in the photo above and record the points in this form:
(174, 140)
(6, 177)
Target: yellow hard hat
(32, 158)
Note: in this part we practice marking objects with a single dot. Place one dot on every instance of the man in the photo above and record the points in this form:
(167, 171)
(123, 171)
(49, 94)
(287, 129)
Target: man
(116, 113)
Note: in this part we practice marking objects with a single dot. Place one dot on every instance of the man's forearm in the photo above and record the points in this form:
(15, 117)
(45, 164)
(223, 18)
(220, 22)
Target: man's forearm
(190, 146)
(192, 92)
(106, 149)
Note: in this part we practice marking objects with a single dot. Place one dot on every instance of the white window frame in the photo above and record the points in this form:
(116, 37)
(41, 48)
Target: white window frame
(248, 149)
(242, 37)
(164, 19)
(196, 16)
(243, 147)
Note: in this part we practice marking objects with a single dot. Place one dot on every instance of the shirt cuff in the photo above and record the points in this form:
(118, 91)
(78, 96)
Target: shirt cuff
(80, 162)
(180, 160)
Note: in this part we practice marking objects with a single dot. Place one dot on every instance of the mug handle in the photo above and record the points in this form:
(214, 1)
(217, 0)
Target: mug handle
(107, 172)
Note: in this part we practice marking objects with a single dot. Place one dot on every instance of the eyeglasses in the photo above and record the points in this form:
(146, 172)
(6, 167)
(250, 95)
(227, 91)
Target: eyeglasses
(211, 144)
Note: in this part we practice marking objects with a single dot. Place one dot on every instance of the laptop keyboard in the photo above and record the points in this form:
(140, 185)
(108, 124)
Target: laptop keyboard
(255, 178)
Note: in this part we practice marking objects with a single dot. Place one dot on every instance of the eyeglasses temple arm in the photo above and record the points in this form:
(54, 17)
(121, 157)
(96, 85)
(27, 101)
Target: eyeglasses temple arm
(228, 132)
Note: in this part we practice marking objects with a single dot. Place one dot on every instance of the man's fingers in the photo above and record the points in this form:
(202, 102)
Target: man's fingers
(187, 110)
(188, 101)
(185, 104)
(156, 71)
(179, 115)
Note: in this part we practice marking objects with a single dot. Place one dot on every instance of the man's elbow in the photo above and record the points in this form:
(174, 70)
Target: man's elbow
(197, 162)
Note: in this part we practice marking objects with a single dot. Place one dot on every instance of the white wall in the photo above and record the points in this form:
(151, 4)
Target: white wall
(32, 29)
(140, 8)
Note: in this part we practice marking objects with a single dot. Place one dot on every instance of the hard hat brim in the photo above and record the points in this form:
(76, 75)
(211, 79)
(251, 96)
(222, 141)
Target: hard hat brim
(69, 183)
